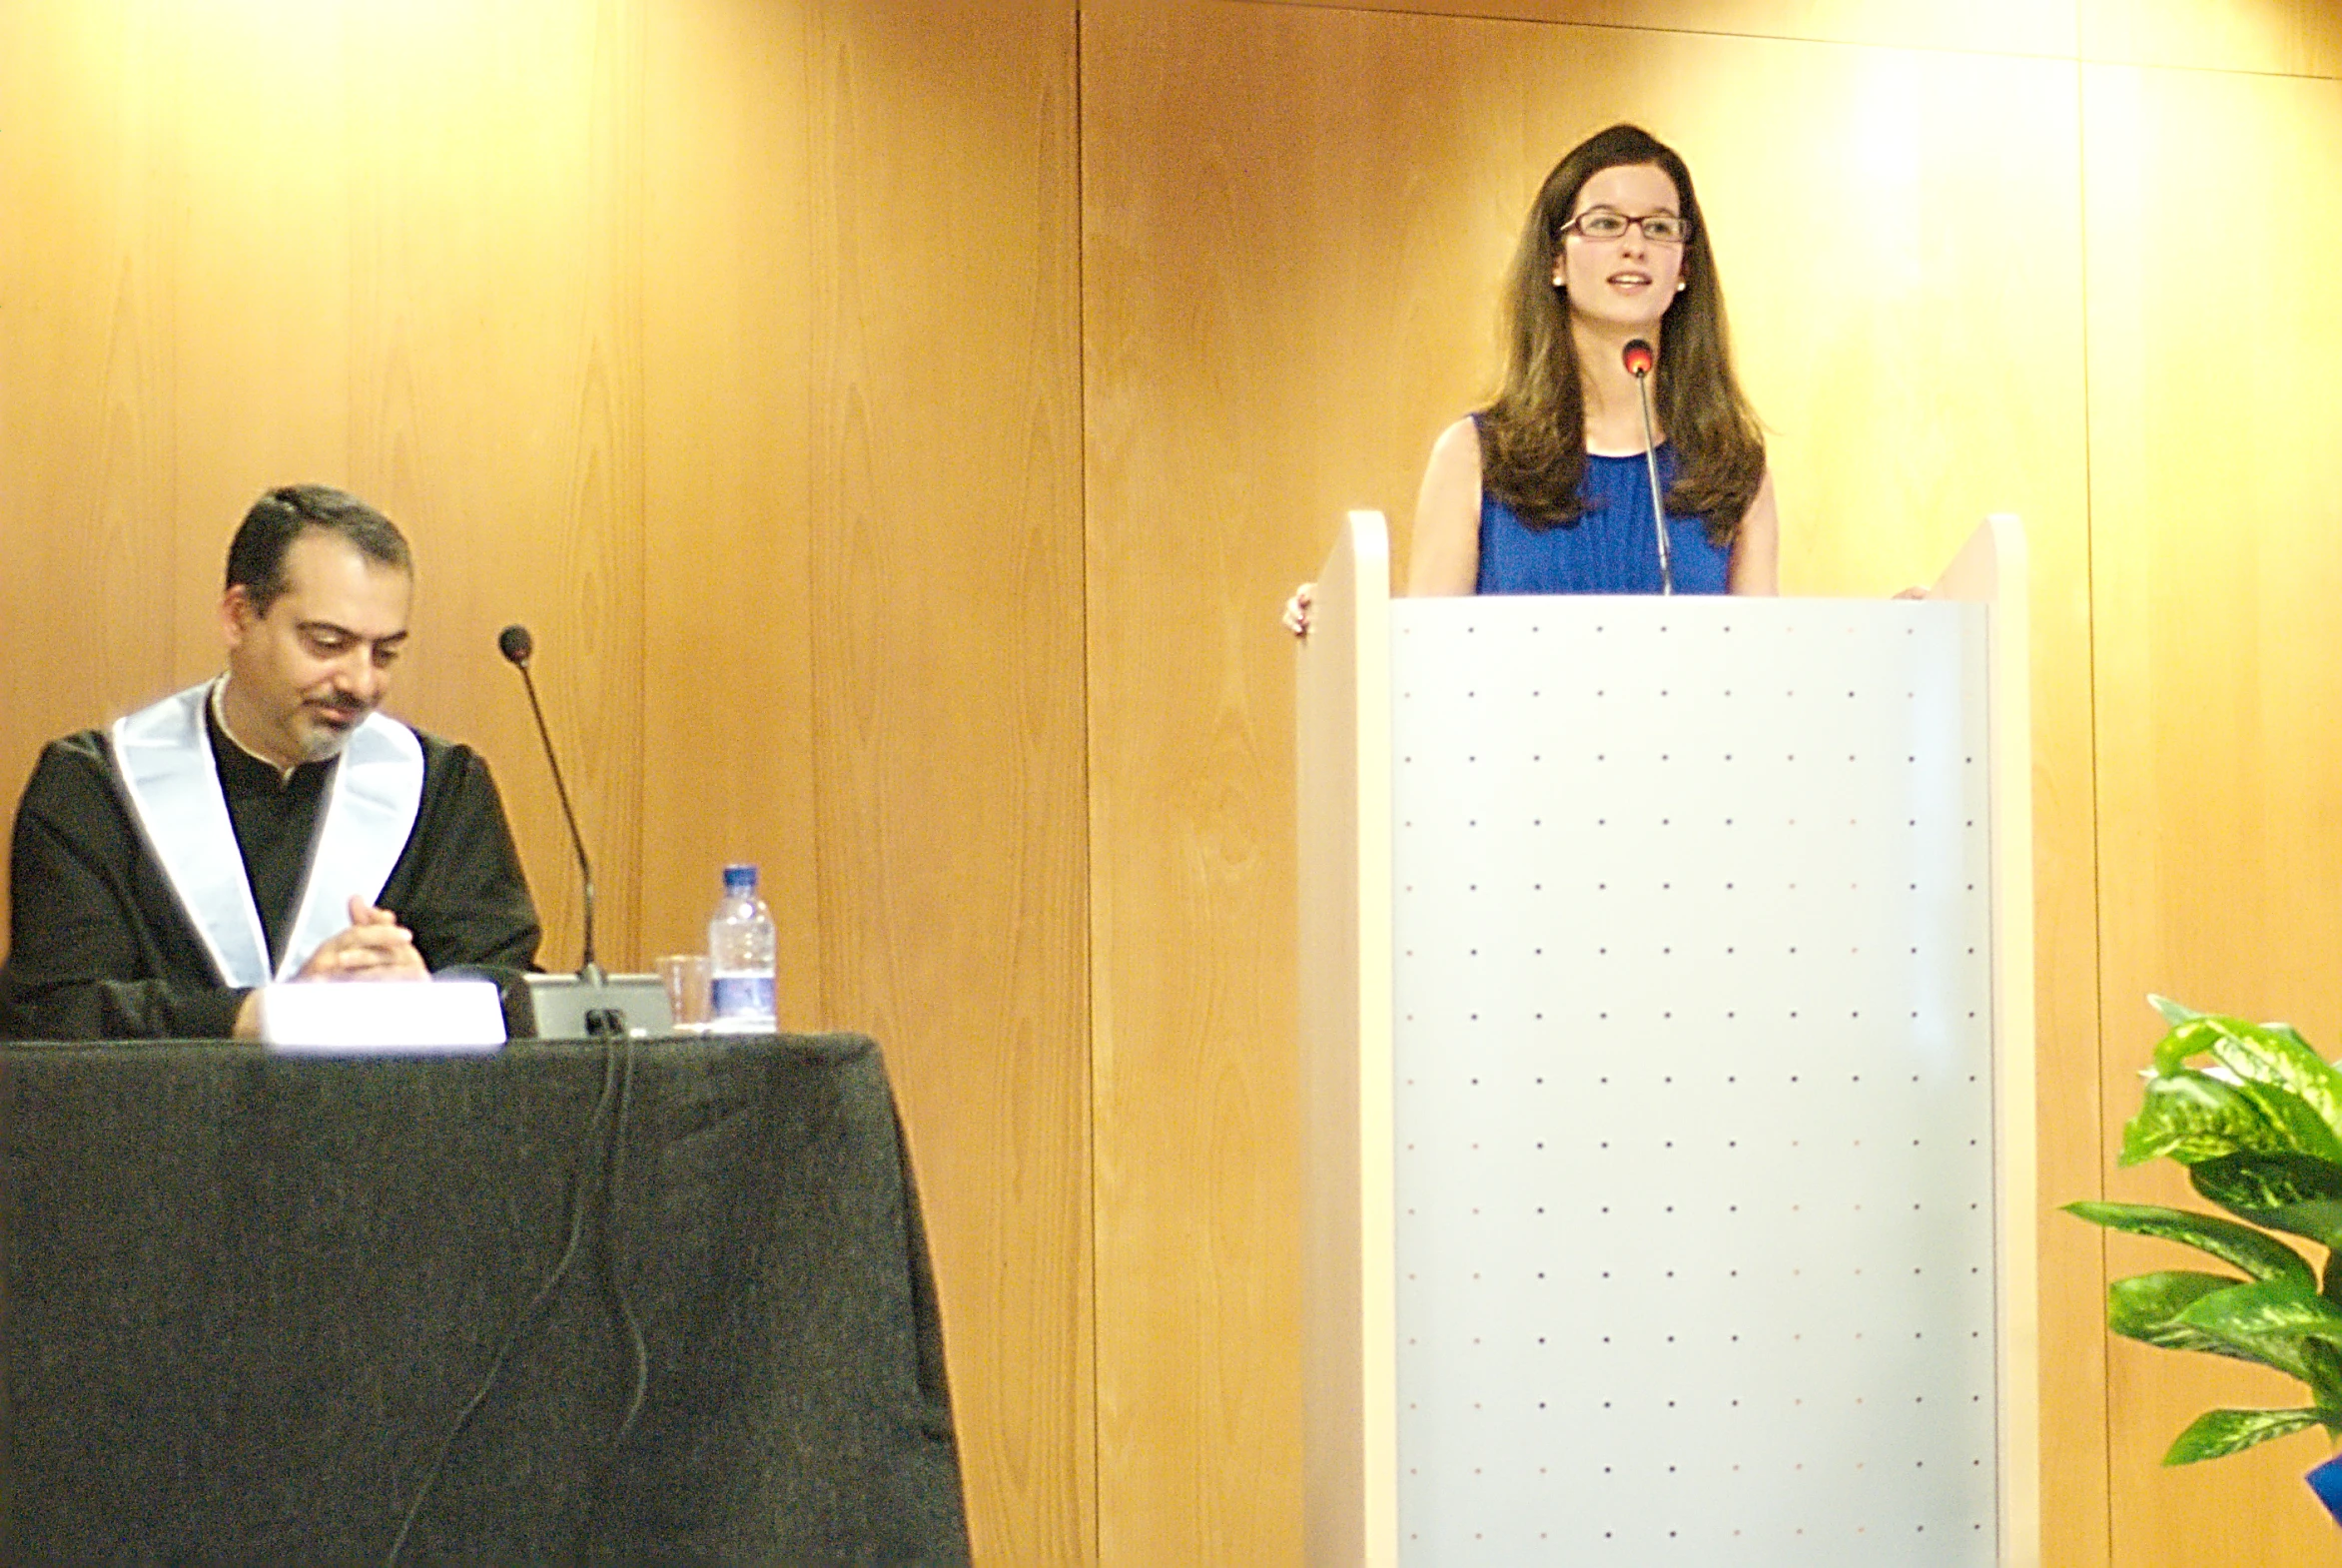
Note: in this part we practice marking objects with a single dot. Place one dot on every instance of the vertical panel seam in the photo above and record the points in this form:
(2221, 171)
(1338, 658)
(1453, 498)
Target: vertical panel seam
(1091, 1504)
(638, 263)
(2098, 924)
(827, 999)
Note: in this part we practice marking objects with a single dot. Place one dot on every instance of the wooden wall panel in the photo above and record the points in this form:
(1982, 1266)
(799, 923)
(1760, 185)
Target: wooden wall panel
(495, 399)
(729, 755)
(2272, 37)
(307, 275)
(948, 693)
(1282, 259)
(1295, 220)
(2023, 27)
(260, 257)
(90, 585)
(2218, 551)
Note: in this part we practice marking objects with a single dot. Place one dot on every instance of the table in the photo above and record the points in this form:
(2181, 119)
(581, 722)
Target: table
(247, 1296)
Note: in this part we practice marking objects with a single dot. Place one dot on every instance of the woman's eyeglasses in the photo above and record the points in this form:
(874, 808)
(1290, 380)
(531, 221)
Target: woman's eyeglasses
(1600, 223)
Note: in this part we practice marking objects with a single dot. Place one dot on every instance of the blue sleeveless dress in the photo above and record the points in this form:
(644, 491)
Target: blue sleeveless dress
(1611, 548)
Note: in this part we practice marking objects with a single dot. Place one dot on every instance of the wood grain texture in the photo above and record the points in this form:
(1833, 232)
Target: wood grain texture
(90, 590)
(2220, 669)
(323, 285)
(729, 751)
(948, 693)
(495, 406)
(1295, 220)
(2021, 27)
(1275, 247)
(2269, 37)
(262, 322)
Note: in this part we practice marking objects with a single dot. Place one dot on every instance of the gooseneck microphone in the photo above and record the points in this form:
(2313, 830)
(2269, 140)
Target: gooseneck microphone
(516, 645)
(1639, 358)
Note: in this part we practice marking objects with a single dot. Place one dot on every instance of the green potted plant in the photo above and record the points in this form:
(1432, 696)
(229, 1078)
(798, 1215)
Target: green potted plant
(2260, 1129)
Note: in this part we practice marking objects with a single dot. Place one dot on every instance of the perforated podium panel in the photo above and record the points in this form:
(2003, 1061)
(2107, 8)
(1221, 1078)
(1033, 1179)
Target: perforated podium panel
(1692, 1049)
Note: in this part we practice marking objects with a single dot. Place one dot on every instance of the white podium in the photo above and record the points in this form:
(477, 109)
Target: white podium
(1666, 1008)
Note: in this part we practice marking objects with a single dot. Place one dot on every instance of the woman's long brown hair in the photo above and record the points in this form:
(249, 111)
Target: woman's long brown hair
(1533, 437)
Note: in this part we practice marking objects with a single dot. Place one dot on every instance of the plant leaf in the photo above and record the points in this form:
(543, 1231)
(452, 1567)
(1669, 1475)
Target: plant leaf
(2261, 1255)
(2288, 1032)
(2296, 1119)
(2190, 1118)
(2148, 1308)
(2294, 1192)
(2216, 1434)
(2276, 1054)
(2190, 1037)
(2323, 1358)
(2266, 1320)
(2273, 1053)
(2174, 1013)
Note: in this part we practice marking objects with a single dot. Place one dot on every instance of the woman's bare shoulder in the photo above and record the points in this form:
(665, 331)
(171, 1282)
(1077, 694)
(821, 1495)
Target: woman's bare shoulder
(1446, 553)
(1458, 445)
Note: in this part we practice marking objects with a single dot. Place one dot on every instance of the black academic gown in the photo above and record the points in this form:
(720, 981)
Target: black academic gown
(101, 948)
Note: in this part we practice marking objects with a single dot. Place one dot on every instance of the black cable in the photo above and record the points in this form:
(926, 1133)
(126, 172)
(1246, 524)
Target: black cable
(578, 1193)
(615, 1253)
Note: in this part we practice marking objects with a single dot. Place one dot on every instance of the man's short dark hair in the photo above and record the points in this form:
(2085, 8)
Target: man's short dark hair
(256, 556)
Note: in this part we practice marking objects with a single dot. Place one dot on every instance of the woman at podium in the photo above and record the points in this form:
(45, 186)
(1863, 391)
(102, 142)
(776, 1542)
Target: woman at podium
(1548, 489)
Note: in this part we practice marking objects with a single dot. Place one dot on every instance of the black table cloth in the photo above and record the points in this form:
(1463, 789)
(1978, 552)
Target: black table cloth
(246, 1296)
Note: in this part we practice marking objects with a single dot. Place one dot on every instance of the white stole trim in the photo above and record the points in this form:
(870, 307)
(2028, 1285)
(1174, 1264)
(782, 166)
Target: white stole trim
(164, 755)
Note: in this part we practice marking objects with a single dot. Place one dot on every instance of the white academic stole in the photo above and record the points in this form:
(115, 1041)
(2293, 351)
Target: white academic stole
(164, 755)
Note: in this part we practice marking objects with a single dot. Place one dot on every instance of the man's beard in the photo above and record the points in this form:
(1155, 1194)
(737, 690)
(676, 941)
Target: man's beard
(322, 741)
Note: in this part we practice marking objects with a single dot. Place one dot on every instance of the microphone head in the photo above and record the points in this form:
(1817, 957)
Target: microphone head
(1639, 358)
(514, 643)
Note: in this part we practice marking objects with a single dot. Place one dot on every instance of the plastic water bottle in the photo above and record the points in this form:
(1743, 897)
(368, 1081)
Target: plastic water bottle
(741, 955)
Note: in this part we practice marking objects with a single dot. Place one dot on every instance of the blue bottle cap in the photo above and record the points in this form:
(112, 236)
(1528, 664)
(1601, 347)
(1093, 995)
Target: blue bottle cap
(739, 879)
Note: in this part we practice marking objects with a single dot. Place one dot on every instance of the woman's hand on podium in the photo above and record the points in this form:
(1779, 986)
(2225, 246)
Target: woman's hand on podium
(1913, 593)
(1296, 611)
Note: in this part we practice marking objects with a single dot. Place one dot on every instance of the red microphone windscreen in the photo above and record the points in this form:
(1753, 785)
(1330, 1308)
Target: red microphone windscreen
(1639, 358)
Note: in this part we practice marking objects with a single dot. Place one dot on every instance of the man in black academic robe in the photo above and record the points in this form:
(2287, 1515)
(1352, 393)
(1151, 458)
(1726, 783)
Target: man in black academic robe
(270, 825)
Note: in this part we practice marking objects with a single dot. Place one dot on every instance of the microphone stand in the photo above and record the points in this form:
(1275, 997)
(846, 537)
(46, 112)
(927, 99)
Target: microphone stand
(602, 1020)
(1638, 362)
(590, 970)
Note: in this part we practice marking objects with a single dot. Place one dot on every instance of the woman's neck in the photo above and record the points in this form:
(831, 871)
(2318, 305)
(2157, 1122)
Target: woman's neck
(1613, 410)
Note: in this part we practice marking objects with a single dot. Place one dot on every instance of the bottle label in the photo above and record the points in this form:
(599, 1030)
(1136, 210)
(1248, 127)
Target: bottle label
(743, 999)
